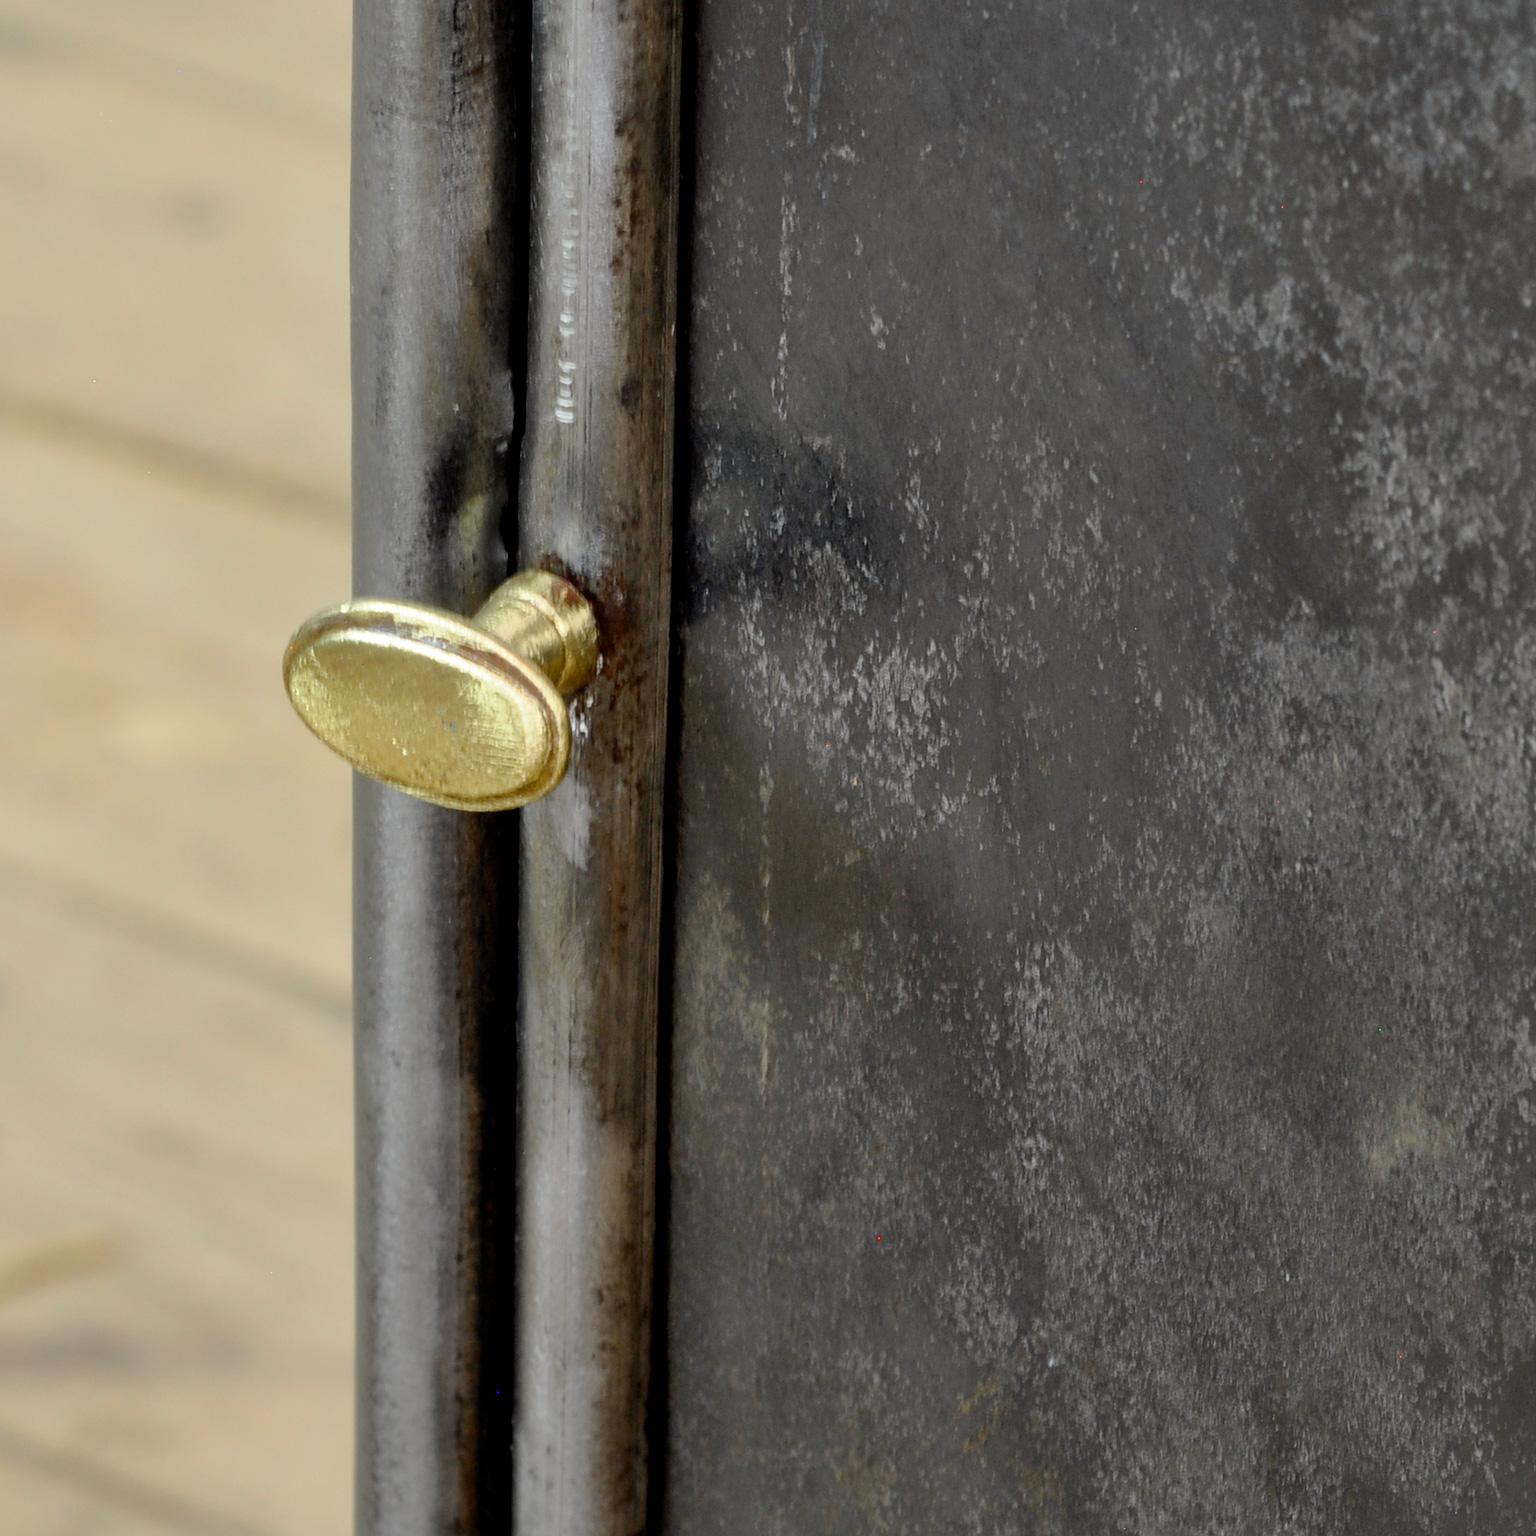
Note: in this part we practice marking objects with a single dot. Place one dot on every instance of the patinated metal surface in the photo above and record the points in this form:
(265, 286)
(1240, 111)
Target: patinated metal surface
(1103, 1072)
(595, 502)
(436, 300)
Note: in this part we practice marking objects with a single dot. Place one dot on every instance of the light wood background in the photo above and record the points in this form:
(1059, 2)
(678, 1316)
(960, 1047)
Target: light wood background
(175, 1134)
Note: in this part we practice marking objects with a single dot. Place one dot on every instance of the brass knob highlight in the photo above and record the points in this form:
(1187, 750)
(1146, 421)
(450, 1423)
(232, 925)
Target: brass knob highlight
(465, 713)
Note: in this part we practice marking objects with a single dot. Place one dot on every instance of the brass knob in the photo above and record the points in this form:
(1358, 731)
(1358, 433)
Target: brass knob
(467, 713)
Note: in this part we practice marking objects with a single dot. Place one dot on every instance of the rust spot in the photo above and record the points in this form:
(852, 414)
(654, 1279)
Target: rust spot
(1043, 1485)
(974, 1445)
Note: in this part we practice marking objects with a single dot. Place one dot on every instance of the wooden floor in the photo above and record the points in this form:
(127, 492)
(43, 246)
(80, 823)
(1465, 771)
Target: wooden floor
(175, 1139)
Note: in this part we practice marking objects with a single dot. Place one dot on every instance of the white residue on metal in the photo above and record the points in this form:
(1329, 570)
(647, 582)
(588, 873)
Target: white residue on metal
(570, 814)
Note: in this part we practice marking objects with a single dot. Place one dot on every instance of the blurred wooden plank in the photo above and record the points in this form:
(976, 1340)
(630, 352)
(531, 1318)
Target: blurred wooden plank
(37, 1506)
(175, 1157)
(148, 757)
(174, 266)
(43, 1493)
(175, 1192)
(289, 58)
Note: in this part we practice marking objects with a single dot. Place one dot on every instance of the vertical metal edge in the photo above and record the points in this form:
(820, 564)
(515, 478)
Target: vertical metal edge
(437, 300)
(595, 501)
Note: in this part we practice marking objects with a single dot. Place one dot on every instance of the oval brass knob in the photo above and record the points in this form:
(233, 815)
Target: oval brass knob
(466, 713)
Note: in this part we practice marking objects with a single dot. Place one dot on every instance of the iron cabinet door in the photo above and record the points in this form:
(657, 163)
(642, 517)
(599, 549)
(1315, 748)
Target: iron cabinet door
(1101, 1061)
(1078, 876)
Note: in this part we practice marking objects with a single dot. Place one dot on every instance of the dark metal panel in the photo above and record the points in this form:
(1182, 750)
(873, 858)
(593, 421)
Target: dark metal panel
(1103, 1078)
(437, 296)
(596, 503)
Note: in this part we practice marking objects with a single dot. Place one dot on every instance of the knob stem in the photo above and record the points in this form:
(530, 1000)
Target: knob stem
(548, 623)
